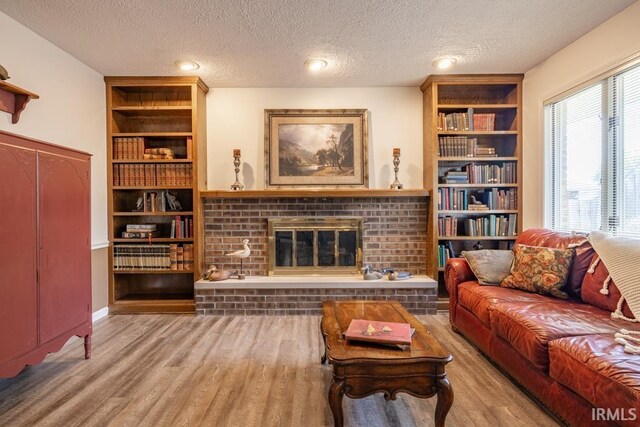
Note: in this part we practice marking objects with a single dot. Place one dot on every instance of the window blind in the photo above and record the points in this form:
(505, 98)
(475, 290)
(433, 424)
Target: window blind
(593, 160)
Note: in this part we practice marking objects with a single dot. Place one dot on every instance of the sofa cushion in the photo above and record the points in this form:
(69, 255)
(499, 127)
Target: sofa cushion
(529, 327)
(597, 368)
(490, 266)
(554, 239)
(592, 284)
(479, 299)
(540, 269)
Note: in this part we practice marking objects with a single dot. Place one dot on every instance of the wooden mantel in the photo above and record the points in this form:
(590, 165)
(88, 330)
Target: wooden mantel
(315, 193)
(13, 100)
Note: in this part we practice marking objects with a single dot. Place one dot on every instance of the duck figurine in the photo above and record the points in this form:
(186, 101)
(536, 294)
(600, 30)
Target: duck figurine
(241, 254)
(369, 274)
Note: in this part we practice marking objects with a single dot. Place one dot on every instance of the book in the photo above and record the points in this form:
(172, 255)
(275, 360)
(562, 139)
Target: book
(141, 227)
(379, 332)
(139, 234)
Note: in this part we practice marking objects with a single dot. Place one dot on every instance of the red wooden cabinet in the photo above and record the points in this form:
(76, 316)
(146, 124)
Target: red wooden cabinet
(45, 250)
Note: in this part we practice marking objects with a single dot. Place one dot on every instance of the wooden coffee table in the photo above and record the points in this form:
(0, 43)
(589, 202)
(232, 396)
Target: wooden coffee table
(362, 369)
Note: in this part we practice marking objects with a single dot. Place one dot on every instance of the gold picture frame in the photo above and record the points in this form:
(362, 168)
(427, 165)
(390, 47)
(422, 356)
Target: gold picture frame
(316, 148)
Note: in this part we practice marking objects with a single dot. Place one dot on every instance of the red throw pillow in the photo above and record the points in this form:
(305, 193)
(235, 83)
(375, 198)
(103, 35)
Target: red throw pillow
(592, 284)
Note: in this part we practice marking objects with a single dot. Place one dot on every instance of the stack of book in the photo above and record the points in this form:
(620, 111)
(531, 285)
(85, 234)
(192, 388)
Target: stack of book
(455, 177)
(158, 154)
(140, 231)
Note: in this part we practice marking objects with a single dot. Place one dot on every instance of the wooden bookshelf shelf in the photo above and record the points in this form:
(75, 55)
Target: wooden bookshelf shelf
(155, 113)
(151, 134)
(477, 185)
(151, 187)
(476, 212)
(478, 159)
(153, 240)
(153, 108)
(14, 100)
(132, 161)
(477, 132)
(176, 213)
(476, 238)
(252, 194)
(152, 271)
(446, 107)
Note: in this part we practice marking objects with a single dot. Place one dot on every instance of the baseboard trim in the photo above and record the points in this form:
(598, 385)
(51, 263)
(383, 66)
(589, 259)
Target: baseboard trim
(103, 312)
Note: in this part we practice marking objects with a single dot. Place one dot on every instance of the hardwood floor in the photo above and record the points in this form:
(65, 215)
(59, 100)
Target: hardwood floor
(180, 370)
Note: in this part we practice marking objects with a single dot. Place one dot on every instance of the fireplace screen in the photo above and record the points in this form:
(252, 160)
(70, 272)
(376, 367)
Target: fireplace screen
(310, 245)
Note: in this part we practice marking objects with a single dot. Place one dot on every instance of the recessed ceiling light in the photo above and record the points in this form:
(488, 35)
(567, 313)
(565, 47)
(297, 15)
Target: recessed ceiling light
(187, 65)
(444, 63)
(315, 64)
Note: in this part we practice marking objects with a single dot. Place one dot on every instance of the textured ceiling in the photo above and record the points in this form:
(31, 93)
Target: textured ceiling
(249, 43)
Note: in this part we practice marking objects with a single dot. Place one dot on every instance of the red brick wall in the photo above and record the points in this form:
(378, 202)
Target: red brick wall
(394, 229)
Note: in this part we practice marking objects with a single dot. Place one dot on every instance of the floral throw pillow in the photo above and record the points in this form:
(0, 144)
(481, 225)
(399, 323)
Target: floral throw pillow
(540, 270)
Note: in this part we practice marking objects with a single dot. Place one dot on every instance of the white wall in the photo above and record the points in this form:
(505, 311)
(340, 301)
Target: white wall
(236, 120)
(71, 108)
(598, 51)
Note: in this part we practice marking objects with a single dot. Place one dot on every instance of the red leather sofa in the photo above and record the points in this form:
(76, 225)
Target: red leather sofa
(562, 351)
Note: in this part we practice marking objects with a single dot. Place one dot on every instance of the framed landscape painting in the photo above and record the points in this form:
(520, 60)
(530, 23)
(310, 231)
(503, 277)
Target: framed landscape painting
(316, 148)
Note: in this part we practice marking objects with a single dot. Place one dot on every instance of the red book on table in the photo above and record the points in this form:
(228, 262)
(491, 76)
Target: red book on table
(380, 332)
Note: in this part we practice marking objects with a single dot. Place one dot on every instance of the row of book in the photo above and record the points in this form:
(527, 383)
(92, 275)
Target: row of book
(444, 253)
(134, 149)
(507, 173)
(491, 225)
(450, 198)
(175, 175)
(153, 257)
(181, 228)
(461, 146)
(468, 121)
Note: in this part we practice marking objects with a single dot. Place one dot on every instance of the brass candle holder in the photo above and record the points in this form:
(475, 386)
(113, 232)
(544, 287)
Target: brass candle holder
(396, 185)
(236, 163)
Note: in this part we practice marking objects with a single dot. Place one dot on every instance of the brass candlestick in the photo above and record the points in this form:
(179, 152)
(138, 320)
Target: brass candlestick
(236, 163)
(396, 167)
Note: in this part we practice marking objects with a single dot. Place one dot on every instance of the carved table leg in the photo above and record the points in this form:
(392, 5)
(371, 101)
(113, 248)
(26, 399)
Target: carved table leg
(445, 400)
(323, 359)
(87, 346)
(336, 391)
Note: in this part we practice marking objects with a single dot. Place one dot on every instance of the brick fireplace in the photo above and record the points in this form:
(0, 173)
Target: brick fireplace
(393, 235)
(394, 230)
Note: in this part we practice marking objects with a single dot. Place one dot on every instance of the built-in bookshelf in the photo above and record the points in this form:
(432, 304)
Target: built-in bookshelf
(156, 150)
(472, 164)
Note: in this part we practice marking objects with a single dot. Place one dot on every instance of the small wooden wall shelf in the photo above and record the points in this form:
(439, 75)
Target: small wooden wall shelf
(257, 194)
(13, 100)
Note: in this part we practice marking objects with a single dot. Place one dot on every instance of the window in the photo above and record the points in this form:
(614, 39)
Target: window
(593, 157)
